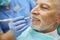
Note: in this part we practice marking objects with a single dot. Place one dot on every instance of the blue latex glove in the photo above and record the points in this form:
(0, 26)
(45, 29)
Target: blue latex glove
(18, 25)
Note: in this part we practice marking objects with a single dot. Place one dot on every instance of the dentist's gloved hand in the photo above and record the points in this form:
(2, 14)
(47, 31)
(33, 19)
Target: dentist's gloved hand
(18, 25)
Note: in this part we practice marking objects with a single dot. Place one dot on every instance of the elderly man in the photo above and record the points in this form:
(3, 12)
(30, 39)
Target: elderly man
(44, 18)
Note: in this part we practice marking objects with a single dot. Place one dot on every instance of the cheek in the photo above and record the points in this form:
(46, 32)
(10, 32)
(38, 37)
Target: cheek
(51, 15)
(48, 17)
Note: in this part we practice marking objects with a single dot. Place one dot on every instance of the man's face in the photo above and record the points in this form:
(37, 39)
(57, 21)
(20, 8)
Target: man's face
(44, 14)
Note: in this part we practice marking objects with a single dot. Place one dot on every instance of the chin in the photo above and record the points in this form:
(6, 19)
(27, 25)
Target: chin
(35, 23)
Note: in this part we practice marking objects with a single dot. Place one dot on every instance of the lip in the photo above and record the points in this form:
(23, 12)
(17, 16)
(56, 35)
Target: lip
(35, 19)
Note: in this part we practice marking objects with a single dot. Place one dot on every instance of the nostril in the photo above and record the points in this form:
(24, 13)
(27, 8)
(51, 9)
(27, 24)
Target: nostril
(36, 13)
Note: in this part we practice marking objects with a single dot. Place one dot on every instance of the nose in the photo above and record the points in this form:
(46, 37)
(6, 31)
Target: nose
(35, 11)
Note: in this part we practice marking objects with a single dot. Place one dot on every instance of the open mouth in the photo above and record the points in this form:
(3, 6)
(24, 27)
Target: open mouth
(36, 22)
(35, 19)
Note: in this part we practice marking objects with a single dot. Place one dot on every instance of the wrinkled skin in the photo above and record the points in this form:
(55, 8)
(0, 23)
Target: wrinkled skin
(44, 15)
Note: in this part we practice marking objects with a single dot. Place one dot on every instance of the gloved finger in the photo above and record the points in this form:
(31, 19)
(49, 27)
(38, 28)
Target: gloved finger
(23, 29)
(18, 18)
(20, 26)
(10, 25)
(19, 22)
(27, 20)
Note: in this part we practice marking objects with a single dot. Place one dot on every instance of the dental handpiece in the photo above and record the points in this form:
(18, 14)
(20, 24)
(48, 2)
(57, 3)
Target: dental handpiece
(8, 20)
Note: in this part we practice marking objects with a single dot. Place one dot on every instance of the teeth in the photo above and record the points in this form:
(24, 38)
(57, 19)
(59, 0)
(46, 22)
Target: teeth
(35, 19)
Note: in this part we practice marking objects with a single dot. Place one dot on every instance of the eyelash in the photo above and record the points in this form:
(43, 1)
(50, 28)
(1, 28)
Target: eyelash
(42, 6)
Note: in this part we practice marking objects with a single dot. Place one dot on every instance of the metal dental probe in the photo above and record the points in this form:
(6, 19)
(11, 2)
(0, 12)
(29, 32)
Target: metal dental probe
(8, 20)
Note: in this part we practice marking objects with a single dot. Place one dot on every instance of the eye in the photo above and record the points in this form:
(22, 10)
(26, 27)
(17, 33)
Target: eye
(44, 6)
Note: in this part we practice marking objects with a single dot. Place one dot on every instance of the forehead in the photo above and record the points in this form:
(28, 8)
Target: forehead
(49, 2)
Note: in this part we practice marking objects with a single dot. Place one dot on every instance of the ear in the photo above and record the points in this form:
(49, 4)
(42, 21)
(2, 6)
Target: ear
(58, 21)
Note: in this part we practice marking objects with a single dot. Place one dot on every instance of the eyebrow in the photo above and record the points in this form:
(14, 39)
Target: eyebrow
(45, 4)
